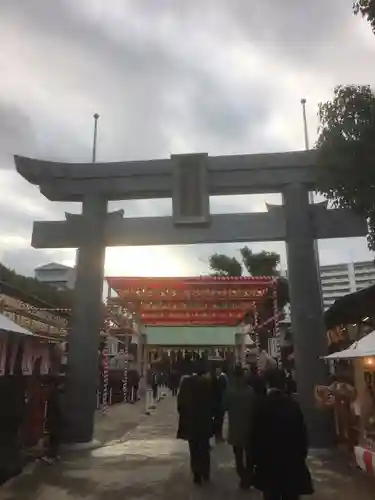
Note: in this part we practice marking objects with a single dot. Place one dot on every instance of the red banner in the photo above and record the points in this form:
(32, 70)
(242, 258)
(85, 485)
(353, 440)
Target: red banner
(150, 306)
(195, 289)
(203, 294)
(165, 322)
(188, 317)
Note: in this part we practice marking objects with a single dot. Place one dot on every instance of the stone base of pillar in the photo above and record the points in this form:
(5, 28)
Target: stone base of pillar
(71, 447)
(321, 452)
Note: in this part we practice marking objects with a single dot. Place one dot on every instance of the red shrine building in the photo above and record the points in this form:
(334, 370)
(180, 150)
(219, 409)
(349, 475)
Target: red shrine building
(196, 313)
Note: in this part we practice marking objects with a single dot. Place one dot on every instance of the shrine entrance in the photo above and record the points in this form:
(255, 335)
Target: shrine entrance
(189, 180)
(199, 316)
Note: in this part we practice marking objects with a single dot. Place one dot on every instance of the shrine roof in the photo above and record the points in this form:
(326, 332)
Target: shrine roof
(121, 283)
(190, 335)
(192, 279)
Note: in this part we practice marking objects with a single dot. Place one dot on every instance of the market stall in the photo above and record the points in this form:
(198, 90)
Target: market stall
(359, 399)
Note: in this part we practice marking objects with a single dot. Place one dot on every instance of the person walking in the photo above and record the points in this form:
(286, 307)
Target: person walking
(219, 383)
(133, 384)
(280, 444)
(153, 382)
(196, 410)
(256, 381)
(174, 382)
(239, 401)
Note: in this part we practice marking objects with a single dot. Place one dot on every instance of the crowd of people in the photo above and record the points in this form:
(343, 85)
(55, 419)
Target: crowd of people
(265, 428)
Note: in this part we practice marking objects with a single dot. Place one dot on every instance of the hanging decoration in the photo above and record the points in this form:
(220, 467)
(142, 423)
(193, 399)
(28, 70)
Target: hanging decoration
(105, 401)
(188, 289)
(126, 369)
(257, 339)
(3, 353)
(27, 359)
(189, 317)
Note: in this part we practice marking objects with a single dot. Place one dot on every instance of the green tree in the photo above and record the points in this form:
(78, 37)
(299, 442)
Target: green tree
(255, 264)
(346, 151)
(223, 265)
(260, 264)
(366, 8)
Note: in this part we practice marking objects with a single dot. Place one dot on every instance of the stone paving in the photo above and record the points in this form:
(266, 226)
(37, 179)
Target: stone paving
(149, 463)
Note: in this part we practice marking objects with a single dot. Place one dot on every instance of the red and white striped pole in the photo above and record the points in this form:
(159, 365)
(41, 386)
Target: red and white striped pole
(276, 323)
(257, 339)
(126, 368)
(105, 377)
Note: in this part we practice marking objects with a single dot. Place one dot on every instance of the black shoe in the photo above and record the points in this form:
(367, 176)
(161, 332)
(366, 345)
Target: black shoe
(197, 479)
(206, 479)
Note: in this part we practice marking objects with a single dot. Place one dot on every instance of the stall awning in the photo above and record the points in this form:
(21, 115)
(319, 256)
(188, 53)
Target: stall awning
(360, 349)
(351, 308)
(6, 325)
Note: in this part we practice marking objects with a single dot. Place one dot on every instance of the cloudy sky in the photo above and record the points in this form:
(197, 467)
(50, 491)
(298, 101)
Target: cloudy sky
(166, 76)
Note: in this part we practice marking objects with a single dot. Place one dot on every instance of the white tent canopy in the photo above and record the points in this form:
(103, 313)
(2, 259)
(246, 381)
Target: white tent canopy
(360, 349)
(6, 325)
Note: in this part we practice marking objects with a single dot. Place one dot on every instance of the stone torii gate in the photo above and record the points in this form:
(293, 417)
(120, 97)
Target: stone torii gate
(189, 180)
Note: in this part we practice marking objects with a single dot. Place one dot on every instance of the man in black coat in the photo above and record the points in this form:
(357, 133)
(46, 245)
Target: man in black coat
(174, 381)
(218, 387)
(256, 381)
(133, 384)
(196, 410)
(280, 444)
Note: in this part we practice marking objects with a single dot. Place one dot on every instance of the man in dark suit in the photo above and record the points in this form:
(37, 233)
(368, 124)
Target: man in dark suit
(280, 444)
(256, 381)
(218, 387)
(196, 410)
(239, 401)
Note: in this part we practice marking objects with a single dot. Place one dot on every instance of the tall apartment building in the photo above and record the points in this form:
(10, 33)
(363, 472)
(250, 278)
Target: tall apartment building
(341, 279)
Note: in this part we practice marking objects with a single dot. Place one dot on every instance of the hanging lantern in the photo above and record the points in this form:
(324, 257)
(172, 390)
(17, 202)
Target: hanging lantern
(369, 363)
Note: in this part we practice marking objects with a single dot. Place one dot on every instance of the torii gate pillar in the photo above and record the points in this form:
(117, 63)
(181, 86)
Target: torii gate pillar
(82, 378)
(308, 327)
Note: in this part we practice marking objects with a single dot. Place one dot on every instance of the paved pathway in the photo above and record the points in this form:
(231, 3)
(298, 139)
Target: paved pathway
(149, 463)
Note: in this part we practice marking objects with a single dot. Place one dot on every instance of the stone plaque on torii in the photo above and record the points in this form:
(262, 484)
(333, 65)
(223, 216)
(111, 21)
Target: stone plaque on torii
(189, 180)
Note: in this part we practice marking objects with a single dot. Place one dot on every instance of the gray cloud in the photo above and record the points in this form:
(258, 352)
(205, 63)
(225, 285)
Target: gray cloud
(170, 76)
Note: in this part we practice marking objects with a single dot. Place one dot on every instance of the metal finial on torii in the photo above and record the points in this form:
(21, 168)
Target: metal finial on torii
(96, 118)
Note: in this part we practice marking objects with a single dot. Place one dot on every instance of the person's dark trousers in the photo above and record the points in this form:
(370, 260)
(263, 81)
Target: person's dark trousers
(279, 496)
(200, 459)
(135, 393)
(155, 392)
(244, 465)
(174, 391)
(218, 425)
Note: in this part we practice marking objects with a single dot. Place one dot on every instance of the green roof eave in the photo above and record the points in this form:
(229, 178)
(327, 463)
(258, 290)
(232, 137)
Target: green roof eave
(190, 335)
